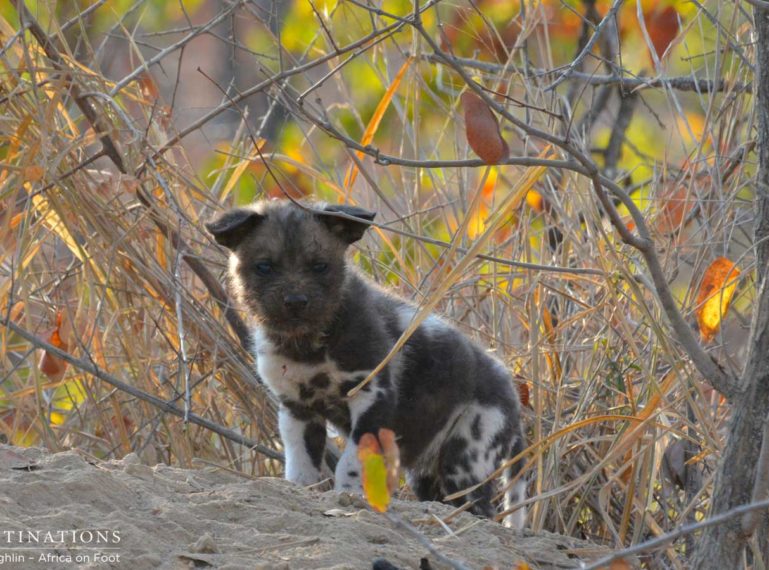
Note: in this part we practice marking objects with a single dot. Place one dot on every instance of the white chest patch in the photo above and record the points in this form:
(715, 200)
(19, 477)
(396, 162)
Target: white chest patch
(298, 380)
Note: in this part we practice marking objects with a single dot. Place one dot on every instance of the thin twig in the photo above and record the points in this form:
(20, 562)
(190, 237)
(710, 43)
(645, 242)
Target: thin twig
(617, 137)
(588, 46)
(665, 538)
(707, 366)
(93, 369)
(680, 83)
(399, 522)
(144, 67)
(277, 79)
(213, 284)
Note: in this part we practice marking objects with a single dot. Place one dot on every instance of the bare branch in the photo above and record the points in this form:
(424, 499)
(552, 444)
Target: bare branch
(671, 536)
(110, 148)
(761, 484)
(710, 369)
(92, 368)
(760, 4)
(617, 137)
(680, 83)
(588, 46)
(358, 46)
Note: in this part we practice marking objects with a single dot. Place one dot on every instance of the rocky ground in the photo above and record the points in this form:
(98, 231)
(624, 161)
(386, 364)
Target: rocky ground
(122, 514)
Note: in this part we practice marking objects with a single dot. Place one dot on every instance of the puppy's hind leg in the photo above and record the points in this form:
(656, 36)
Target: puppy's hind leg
(425, 487)
(477, 446)
(515, 493)
(460, 470)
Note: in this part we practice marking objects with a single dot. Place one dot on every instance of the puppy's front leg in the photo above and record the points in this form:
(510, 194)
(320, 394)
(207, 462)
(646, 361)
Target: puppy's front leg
(369, 411)
(304, 440)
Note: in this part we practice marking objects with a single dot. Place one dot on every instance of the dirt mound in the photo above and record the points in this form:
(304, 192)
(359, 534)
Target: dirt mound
(65, 511)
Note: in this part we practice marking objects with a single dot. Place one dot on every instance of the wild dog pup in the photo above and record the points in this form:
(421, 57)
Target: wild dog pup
(321, 327)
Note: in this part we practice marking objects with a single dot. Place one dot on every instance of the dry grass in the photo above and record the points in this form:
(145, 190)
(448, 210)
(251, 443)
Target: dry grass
(614, 403)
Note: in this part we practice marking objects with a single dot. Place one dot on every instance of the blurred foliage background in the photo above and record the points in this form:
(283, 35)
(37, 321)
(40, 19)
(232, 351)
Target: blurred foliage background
(211, 103)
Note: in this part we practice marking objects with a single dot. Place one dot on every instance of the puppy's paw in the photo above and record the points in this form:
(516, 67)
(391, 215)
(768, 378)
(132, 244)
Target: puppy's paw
(347, 476)
(349, 481)
(303, 478)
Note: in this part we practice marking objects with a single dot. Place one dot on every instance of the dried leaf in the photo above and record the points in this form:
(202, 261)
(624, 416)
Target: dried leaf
(16, 220)
(523, 393)
(662, 25)
(338, 513)
(620, 564)
(51, 365)
(374, 472)
(715, 295)
(148, 86)
(482, 130)
(677, 205)
(33, 173)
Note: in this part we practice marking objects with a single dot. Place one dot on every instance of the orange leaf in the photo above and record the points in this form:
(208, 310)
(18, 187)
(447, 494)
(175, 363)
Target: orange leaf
(148, 86)
(482, 130)
(677, 206)
(523, 393)
(374, 472)
(535, 201)
(33, 173)
(16, 220)
(50, 364)
(376, 119)
(715, 295)
(662, 25)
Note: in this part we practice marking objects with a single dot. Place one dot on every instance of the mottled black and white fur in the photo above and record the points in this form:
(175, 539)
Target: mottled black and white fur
(322, 327)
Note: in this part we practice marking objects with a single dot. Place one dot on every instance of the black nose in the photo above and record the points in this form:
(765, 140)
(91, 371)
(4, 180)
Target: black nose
(295, 301)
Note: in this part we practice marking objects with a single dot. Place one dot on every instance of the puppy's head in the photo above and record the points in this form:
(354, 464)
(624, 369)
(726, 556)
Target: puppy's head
(287, 263)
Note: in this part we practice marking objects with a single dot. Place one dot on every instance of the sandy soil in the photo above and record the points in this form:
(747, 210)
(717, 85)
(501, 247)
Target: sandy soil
(129, 515)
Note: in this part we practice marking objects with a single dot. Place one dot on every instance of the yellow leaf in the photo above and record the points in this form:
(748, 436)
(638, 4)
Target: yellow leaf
(535, 201)
(160, 248)
(376, 119)
(374, 473)
(715, 295)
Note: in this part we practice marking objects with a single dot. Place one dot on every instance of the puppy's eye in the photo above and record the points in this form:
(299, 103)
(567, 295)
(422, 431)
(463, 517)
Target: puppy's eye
(319, 267)
(264, 268)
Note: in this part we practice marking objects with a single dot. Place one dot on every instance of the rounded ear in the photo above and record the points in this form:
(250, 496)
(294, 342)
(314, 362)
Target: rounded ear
(349, 231)
(231, 227)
